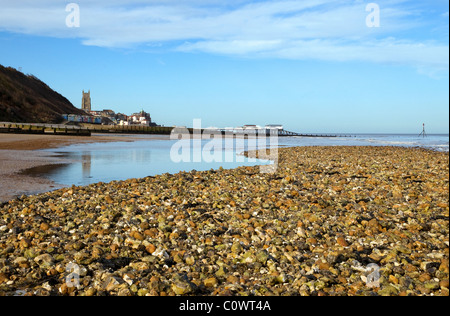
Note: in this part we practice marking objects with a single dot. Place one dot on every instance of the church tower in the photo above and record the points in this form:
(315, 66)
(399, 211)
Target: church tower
(86, 101)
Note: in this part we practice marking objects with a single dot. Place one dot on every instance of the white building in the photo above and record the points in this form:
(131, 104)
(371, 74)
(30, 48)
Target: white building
(275, 126)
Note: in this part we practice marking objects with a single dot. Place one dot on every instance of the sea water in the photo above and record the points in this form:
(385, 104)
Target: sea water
(438, 142)
(106, 162)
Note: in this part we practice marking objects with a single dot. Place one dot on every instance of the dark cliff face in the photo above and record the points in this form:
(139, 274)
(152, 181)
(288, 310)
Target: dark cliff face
(26, 99)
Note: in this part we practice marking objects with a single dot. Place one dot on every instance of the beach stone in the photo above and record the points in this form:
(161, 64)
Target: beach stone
(424, 277)
(397, 192)
(129, 278)
(90, 292)
(422, 289)
(323, 265)
(142, 292)
(44, 226)
(262, 256)
(375, 257)
(236, 247)
(210, 282)
(444, 284)
(403, 249)
(182, 288)
(150, 248)
(124, 292)
(427, 265)
(432, 285)
(111, 283)
(44, 261)
(233, 279)
(155, 284)
(444, 267)
(388, 291)
(140, 265)
(152, 232)
(3, 277)
(190, 260)
(248, 257)
(30, 253)
(182, 285)
(393, 279)
(138, 236)
(25, 243)
(64, 289)
(97, 252)
(222, 272)
(342, 242)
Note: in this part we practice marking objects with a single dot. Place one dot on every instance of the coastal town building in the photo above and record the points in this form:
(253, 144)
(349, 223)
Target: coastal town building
(141, 118)
(108, 116)
(251, 126)
(86, 101)
(108, 113)
(275, 126)
(121, 117)
(82, 118)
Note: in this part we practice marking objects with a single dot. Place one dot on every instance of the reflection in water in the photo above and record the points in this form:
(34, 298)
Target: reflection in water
(86, 164)
(120, 157)
(44, 170)
(106, 162)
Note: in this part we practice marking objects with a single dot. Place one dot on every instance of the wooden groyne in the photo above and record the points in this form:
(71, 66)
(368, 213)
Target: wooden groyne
(128, 129)
(81, 130)
(43, 129)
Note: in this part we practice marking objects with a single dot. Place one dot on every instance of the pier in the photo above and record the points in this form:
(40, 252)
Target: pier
(268, 132)
(288, 133)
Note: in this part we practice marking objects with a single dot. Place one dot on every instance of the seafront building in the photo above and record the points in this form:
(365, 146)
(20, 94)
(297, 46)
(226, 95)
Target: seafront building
(259, 130)
(107, 116)
(86, 101)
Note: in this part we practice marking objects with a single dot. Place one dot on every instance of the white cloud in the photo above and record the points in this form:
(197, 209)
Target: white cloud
(310, 29)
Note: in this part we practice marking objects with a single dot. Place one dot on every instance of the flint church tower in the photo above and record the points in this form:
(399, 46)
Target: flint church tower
(86, 101)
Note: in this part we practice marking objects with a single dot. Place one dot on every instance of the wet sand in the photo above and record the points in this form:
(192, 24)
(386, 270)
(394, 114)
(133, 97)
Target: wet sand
(21, 152)
(35, 142)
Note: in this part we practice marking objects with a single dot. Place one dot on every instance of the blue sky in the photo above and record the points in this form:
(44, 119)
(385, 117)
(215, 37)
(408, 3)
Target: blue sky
(314, 66)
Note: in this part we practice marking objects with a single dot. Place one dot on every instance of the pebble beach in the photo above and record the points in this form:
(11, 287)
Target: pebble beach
(331, 221)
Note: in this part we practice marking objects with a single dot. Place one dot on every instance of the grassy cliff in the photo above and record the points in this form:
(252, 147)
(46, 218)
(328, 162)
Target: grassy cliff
(25, 98)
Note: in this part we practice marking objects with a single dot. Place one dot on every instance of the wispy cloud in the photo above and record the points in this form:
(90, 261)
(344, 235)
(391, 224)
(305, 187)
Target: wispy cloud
(311, 29)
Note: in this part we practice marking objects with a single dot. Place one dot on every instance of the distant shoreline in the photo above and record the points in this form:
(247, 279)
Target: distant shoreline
(35, 142)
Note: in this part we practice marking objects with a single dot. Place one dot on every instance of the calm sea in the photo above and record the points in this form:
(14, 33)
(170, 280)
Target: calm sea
(105, 162)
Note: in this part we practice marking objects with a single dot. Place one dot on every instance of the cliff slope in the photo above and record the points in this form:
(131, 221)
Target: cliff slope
(26, 99)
